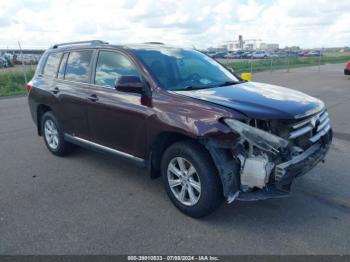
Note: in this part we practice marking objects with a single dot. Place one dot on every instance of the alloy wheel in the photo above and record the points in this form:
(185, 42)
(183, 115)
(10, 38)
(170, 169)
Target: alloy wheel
(184, 181)
(51, 134)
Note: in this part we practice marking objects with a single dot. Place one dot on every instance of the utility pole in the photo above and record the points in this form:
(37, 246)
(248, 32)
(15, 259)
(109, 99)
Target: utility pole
(251, 65)
(319, 60)
(271, 65)
(23, 64)
(288, 59)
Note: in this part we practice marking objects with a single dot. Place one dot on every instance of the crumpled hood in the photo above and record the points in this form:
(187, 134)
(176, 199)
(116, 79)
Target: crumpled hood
(260, 101)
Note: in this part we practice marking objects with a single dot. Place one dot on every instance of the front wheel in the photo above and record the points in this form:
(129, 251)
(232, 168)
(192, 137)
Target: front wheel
(190, 179)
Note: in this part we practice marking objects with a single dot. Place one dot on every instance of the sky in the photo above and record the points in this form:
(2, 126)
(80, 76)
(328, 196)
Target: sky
(192, 23)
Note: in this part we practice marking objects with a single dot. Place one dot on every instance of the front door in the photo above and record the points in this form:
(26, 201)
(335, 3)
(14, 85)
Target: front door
(116, 119)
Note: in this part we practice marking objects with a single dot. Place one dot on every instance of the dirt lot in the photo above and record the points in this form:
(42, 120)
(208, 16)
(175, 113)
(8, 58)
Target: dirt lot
(89, 203)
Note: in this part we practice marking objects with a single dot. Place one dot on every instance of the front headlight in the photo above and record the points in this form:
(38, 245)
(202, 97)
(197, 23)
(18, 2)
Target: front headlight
(257, 137)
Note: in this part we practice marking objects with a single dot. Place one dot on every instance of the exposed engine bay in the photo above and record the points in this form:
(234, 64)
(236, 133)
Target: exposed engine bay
(268, 155)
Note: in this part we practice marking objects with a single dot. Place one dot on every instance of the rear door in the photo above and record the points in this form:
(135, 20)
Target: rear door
(72, 87)
(116, 119)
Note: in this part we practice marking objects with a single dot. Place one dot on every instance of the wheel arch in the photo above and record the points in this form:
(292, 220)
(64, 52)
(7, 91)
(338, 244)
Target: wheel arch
(41, 110)
(159, 145)
(219, 152)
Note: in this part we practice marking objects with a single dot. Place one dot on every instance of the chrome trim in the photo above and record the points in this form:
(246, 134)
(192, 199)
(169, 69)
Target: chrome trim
(301, 123)
(323, 124)
(323, 116)
(104, 148)
(309, 124)
(309, 119)
(300, 131)
(320, 134)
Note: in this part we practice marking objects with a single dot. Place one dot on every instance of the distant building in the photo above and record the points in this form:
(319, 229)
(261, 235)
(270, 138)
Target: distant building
(266, 46)
(292, 48)
(240, 44)
(232, 45)
(250, 46)
(222, 48)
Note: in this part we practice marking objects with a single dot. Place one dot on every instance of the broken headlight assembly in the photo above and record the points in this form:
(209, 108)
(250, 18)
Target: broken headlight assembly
(257, 161)
(256, 137)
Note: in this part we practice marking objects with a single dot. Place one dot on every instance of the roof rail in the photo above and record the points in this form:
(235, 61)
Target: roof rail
(92, 42)
(154, 43)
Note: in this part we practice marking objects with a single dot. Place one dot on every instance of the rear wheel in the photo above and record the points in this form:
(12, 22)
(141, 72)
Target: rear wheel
(191, 179)
(53, 136)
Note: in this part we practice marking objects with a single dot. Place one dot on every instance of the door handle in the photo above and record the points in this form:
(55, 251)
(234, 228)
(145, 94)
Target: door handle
(93, 97)
(56, 90)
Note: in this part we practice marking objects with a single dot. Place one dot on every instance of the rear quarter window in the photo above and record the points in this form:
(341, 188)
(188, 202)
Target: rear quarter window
(51, 66)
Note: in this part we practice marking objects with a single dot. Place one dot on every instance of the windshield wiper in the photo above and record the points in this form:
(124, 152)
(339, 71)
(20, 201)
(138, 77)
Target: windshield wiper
(229, 83)
(194, 87)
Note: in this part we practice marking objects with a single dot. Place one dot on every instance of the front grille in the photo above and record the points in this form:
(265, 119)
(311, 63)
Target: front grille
(313, 127)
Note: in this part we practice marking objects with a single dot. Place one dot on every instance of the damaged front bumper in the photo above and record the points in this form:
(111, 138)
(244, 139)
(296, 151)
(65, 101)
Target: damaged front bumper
(301, 164)
(284, 173)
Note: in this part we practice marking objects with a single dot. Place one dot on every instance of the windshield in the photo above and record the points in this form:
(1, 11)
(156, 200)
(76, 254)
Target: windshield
(180, 69)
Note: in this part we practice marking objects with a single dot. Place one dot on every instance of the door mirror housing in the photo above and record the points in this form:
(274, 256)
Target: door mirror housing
(129, 84)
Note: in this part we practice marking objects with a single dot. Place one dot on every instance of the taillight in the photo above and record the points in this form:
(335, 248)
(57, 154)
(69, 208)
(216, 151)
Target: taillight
(29, 86)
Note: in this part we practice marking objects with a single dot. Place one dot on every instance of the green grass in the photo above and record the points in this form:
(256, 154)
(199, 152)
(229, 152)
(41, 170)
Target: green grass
(12, 82)
(259, 65)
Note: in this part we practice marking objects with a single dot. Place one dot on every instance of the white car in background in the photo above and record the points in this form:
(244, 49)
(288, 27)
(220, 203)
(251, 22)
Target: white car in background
(260, 54)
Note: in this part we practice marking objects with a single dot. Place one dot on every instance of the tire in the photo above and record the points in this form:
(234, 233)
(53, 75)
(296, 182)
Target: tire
(59, 146)
(210, 195)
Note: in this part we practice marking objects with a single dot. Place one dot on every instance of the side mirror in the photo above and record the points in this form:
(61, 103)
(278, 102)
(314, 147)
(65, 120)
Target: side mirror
(129, 84)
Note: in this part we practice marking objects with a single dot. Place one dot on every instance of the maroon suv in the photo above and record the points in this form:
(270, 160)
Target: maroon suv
(181, 114)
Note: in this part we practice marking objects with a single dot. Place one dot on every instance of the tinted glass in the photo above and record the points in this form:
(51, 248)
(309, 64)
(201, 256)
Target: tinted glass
(180, 69)
(110, 66)
(51, 65)
(78, 64)
(62, 66)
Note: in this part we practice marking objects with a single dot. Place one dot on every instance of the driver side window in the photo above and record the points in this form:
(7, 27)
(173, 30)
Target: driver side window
(110, 66)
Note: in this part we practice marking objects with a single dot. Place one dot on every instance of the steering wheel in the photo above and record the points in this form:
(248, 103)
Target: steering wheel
(194, 77)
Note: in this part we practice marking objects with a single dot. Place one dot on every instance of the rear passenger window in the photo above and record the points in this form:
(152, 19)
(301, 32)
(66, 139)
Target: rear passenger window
(78, 64)
(51, 65)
